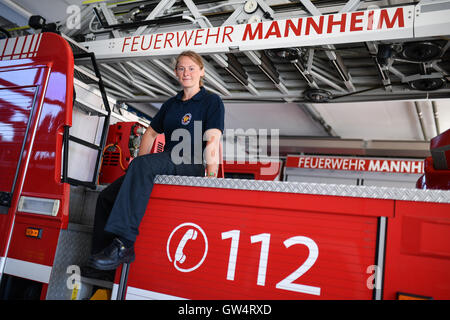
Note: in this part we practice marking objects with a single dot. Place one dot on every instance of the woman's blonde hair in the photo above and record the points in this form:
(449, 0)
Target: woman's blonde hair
(195, 57)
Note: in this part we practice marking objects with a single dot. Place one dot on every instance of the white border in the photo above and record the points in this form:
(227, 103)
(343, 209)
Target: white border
(140, 294)
(27, 270)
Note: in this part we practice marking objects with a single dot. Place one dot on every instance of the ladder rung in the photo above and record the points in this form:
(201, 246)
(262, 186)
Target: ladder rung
(85, 75)
(90, 108)
(84, 142)
(76, 48)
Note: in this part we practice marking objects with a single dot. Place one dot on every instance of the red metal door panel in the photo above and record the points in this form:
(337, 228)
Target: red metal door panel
(418, 250)
(48, 67)
(42, 250)
(15, 108)
(20, 95)
(252, 252)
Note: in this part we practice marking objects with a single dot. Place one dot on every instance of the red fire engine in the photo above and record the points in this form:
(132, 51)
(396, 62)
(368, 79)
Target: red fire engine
(36, 106)
(203, 238)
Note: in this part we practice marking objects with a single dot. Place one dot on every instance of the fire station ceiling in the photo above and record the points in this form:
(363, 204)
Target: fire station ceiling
(383, 90)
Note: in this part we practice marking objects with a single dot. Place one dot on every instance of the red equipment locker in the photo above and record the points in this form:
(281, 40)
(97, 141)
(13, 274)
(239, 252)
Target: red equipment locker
(122, 146)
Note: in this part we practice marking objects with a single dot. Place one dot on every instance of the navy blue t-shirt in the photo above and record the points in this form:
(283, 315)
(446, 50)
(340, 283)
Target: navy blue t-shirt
(185, 122)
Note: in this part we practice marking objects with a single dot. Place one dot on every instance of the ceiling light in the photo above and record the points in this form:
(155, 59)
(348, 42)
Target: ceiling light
(317, 95)
(421, 51)
(427, 84)
(284, 54)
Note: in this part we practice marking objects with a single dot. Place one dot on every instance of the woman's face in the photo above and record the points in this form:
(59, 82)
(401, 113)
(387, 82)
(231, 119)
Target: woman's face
(188, 72)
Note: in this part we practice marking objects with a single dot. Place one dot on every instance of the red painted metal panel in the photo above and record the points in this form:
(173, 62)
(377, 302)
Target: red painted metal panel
(418, 250)
(56, 113)
(41, 251)
(16, 107)
(284, 250)
(277, 200)
(432, 178)
(260, 171)
(21, 87)
(437, 167)
(439, 147)
(46, 61)
(117, 155)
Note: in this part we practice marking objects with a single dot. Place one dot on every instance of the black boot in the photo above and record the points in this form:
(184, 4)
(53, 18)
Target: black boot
(112, 256)
(106, 275)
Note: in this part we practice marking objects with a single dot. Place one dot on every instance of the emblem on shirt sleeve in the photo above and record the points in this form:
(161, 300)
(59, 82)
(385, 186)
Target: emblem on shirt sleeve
(186, 119)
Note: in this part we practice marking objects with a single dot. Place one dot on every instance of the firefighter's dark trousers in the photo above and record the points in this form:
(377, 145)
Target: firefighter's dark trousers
(121, 206)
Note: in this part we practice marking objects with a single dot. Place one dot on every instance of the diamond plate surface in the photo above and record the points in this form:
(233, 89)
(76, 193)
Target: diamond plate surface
(407, 194)
(73, 249)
